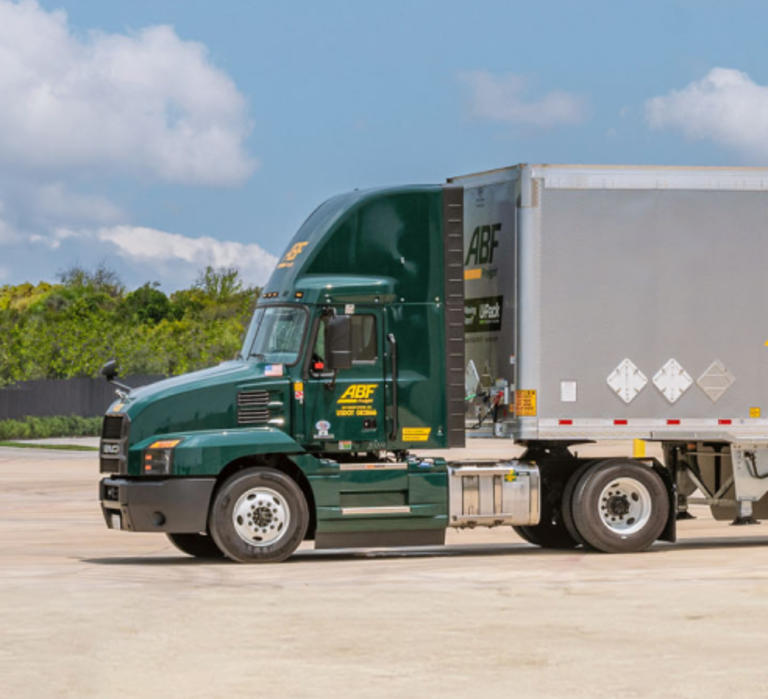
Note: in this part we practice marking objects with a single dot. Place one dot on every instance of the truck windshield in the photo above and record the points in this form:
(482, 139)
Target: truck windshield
(275, 334)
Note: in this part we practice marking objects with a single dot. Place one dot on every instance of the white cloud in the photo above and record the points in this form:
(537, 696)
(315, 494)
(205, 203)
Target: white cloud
(501, 98)
(149, 244)
(147, 102)
(160, 252)
(80, 112)
(726, 106)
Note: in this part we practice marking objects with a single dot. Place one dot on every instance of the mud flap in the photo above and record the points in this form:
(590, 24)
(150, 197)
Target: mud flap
(670, 530)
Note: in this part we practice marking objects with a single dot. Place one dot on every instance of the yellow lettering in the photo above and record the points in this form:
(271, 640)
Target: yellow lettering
(358, 393)
(295, 251)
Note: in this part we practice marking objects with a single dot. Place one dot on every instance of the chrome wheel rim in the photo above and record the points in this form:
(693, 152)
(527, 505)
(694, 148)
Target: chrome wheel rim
(625, 506)
(261, 517)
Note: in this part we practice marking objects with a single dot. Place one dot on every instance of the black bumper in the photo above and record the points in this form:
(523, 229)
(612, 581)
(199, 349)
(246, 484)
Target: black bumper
(178, 505)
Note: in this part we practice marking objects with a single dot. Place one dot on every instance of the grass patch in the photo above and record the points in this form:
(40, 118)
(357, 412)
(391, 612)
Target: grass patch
(61, 447)
(53, 426)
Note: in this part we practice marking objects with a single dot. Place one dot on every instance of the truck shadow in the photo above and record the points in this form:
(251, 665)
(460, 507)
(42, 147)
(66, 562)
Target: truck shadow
(453, 551)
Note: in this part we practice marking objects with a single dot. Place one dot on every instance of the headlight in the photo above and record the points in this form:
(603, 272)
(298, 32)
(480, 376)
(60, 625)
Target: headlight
(158, 457)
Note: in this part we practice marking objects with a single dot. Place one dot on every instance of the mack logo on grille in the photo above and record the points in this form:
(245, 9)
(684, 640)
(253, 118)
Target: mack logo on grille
(110, 449)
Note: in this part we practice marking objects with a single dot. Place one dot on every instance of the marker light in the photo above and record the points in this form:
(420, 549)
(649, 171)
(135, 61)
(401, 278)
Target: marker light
(158, 457)
(164, 444)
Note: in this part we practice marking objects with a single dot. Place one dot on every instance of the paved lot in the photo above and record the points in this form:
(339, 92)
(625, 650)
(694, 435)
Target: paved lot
(90, 612)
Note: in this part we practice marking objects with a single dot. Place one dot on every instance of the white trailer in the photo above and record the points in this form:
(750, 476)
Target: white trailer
(616, 302)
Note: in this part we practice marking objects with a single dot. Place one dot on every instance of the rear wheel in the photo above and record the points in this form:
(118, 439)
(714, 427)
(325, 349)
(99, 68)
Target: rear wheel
(566, 507)
(550, 532)
(548, 535)
(619, 506)
(197, 545)
(259, 515)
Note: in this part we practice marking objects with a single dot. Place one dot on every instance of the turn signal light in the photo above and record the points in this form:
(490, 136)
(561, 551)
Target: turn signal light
(164, 444)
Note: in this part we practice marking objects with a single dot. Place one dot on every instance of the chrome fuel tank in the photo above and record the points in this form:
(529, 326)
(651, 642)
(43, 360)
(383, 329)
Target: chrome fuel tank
(492, 494)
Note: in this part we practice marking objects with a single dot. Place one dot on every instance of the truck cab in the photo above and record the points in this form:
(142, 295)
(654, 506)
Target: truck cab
(349, 361)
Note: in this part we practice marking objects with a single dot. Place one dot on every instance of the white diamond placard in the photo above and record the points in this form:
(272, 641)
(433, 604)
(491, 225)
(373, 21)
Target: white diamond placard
(672, 380)
(627, 380)
(716, 380)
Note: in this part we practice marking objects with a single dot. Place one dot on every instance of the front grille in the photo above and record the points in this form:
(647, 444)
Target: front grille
(114, 444)
(252, 407)
(109, 465)
(112, 428)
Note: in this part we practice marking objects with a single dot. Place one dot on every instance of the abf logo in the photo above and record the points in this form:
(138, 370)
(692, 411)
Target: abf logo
(292, 254)
(482, 245)
(358, 393)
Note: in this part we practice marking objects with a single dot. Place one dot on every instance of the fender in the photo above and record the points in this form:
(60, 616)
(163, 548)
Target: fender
(206, 453)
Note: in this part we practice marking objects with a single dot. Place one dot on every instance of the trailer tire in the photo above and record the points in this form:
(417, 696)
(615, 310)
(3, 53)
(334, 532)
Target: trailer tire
(547, 535)
(197, 545)
(259, 515)
(619, 506)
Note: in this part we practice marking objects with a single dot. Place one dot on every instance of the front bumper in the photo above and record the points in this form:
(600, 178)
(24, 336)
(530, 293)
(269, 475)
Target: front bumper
(178, 505)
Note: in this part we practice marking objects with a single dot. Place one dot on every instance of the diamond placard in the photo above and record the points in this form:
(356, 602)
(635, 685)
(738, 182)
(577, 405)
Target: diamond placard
(672, 380)
(716, 380)
(627, 380)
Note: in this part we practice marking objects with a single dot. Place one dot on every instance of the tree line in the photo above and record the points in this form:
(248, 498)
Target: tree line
(70, 328)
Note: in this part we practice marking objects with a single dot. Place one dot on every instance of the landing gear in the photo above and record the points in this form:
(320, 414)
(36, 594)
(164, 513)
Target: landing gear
(745, 514)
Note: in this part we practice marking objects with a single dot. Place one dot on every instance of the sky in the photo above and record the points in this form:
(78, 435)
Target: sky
(160, 136)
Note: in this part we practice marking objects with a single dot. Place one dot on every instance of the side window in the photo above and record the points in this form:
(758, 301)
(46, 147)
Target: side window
(364, 346)
(317, 361)
(364, 343)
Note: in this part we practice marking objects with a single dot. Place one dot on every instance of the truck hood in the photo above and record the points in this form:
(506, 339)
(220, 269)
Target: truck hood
(199, 400)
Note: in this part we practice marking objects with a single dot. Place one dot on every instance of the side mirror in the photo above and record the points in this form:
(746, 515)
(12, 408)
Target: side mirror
(338, 342)
(109, 370)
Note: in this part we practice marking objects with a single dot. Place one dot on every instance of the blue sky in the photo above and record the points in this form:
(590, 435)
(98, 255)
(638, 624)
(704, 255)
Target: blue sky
(160, 136)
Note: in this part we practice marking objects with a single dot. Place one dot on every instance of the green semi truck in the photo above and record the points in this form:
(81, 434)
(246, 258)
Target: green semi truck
(527, 304)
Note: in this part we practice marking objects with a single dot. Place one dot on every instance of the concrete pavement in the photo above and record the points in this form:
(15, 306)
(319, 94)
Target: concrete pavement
(91, 612)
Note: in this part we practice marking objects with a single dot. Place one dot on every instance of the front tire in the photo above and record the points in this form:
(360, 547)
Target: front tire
(619, 506)
(197, 545)
(259, 515)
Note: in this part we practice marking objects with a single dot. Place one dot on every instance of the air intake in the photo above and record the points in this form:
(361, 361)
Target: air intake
(252, 408)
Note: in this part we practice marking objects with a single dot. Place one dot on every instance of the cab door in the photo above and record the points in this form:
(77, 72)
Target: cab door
(346, 412)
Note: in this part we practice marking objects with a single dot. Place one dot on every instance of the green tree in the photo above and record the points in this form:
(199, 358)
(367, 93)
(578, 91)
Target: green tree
(147, 303)
(71, 328)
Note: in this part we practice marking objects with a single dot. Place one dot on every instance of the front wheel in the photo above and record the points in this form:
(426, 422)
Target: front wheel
(197, 545)
(259, 515)
(619, 506)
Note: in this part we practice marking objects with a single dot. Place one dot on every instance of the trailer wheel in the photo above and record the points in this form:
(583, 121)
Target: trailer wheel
(259, 515)
(197, 545)
(619, 506)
